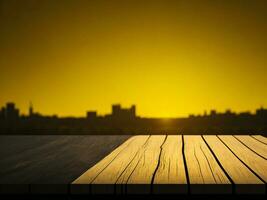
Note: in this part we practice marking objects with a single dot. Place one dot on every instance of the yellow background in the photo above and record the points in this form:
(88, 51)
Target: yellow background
(170, 58)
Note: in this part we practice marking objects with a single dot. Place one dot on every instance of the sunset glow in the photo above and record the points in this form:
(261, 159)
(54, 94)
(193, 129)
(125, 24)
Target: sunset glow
(170, 58)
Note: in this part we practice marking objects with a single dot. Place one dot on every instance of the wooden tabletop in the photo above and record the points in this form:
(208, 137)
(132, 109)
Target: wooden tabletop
(182, 164)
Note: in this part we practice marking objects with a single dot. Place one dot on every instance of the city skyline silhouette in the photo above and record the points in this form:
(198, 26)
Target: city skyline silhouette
(126, 121)
(33, 111)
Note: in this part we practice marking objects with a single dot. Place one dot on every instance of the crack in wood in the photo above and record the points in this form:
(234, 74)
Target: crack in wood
(158, 164)
(133, 170)
(144, 164)
(208, 164)
(204, 160)
(185, 166)
(254, 137)
(138, 152)
(252, 171)
(169, 169)
(111, 161)
(199, 167)
(220, 164)
(249, 148)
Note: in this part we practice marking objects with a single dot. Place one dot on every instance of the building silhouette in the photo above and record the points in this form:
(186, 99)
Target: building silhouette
(2, 113)
(122, 114)
(11, 114)
(91, 115)
(261, 112)
(125, 121)
(31, 110)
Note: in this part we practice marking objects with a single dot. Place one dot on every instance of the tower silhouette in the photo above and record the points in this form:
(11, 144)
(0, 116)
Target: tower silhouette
(30, 109)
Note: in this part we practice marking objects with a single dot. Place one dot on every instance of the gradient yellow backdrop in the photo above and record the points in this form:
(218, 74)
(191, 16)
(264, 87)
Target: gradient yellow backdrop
(170, 57)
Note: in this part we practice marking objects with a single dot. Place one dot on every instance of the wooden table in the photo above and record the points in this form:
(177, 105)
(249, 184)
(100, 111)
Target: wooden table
(181, 164)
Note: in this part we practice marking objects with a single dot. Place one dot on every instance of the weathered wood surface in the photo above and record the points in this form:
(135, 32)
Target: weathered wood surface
(182, 164)
(254, 145)
(103, 172)
(171, 168)
(255, 163)
(202, 166)
(260, 138)
(238, 173)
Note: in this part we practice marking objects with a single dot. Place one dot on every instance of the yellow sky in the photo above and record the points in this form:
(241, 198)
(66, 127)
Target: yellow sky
(170, 58)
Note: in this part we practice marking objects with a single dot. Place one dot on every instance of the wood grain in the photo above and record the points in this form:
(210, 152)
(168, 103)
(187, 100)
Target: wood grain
(181, 164)
(237, 171)
(254, 145)
(260, 138)
(143, 166)
(171, 168)
(202, 166)
(252, 160)
(90, 174)
(170, 176)
(138, 176)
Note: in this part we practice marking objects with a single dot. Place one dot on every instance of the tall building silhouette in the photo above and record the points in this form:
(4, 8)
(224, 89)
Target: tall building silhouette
(30, 109)
(11, 113)
(119, 113)
(2, 113)
(91, 115)
(261, 112)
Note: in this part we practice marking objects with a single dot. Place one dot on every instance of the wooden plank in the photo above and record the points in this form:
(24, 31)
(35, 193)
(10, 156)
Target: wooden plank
(142, 168)
(245, 181)
(203, 168)
(253, 161)
(104, 174)
(171, 170)
(90, 175)
(113, 171)
(260, 138)
(135, 163)
(145, 164)
(255, 145)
